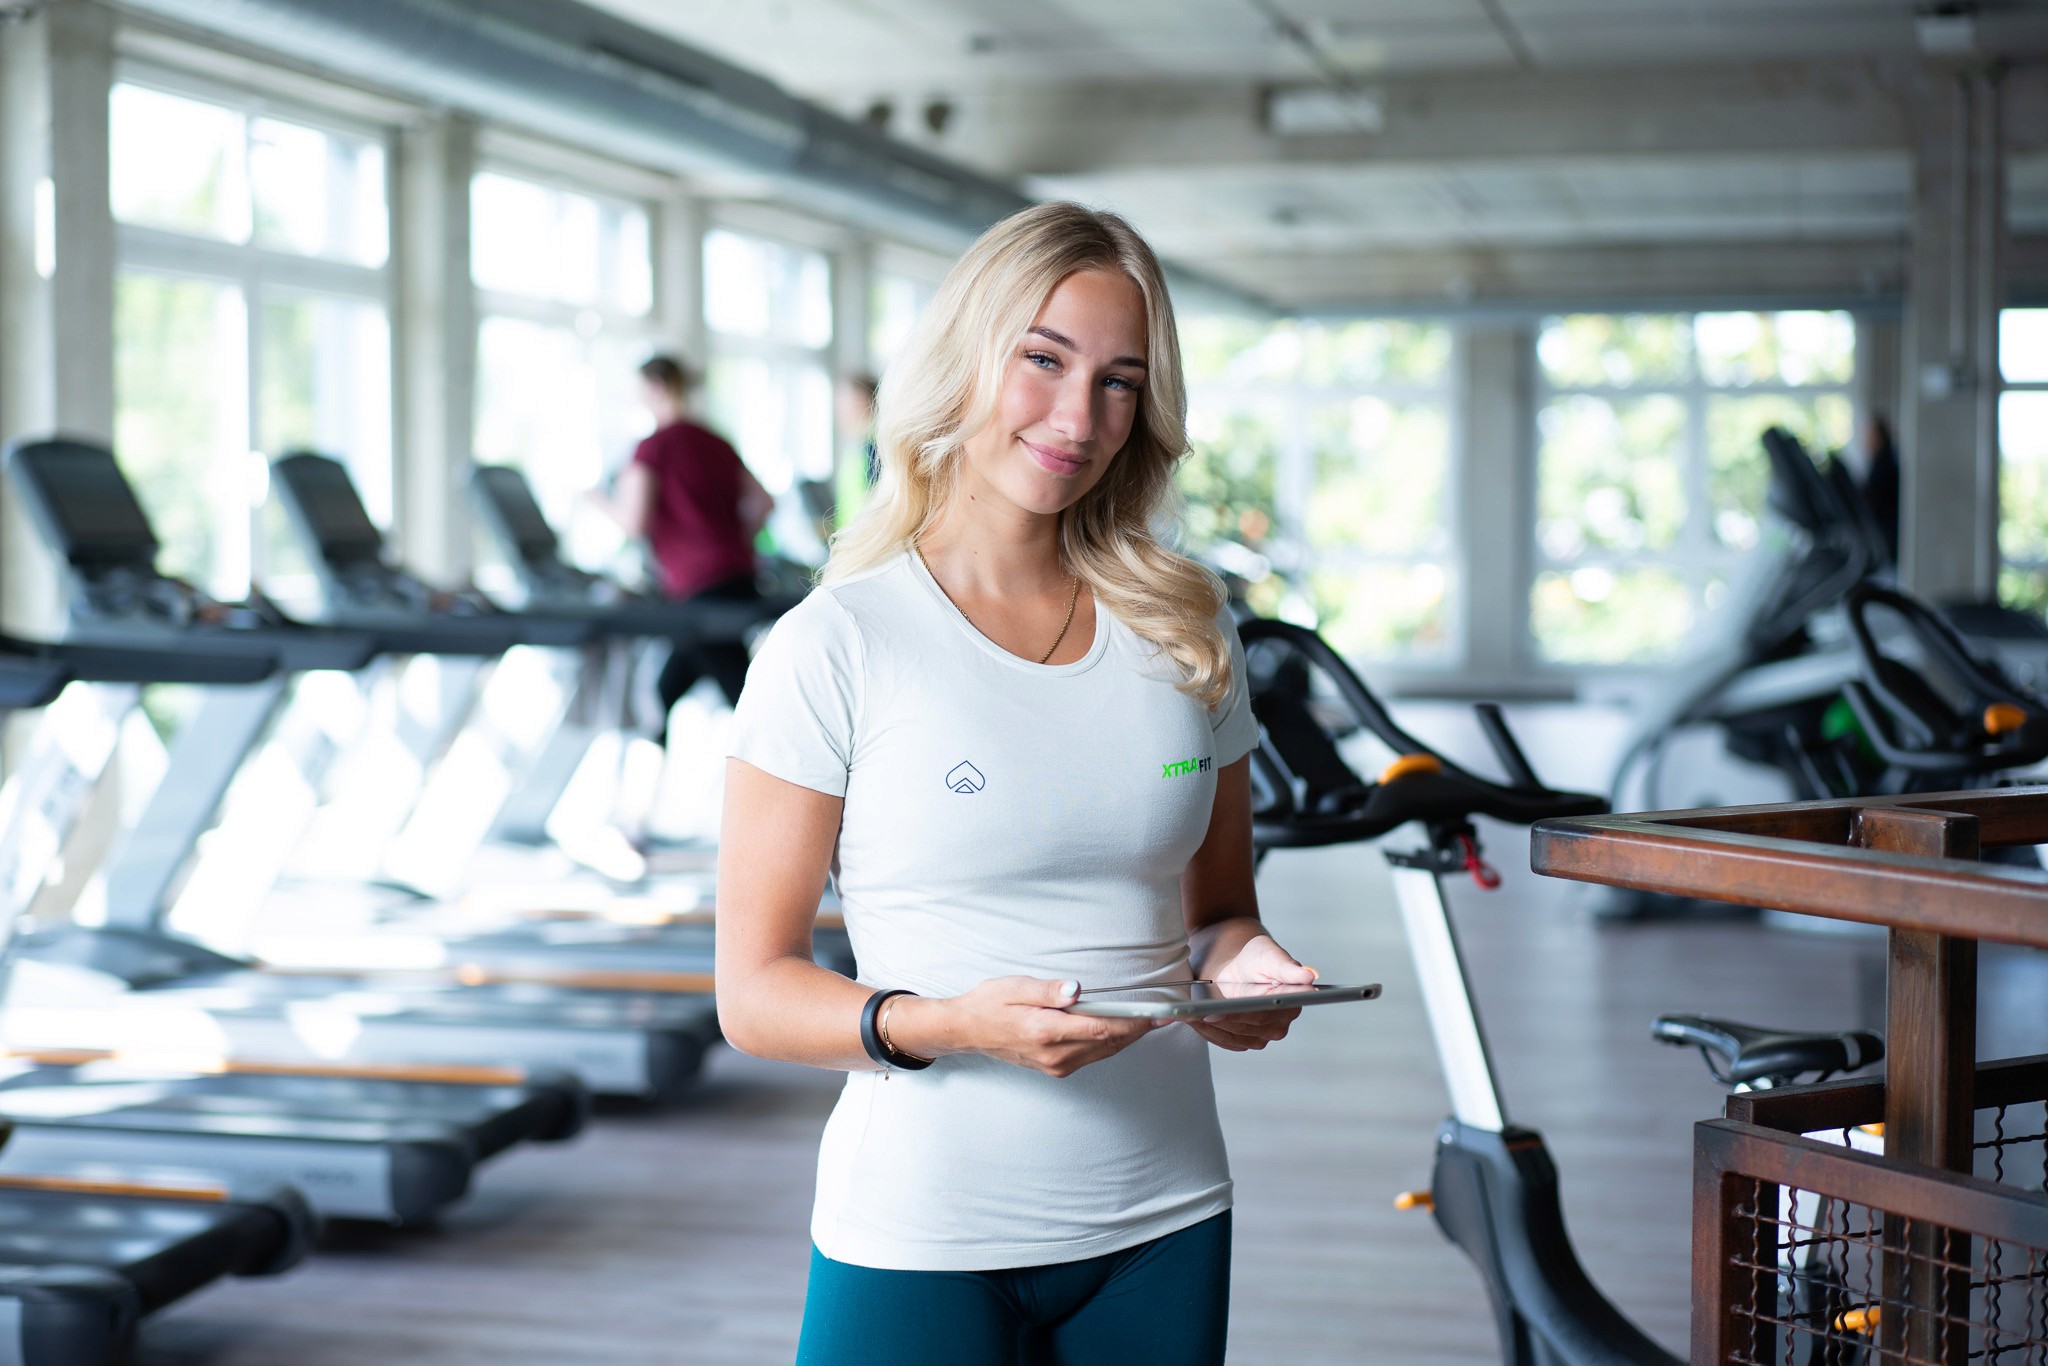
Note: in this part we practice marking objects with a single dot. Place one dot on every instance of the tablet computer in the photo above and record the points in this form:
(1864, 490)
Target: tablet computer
(1188, 1000)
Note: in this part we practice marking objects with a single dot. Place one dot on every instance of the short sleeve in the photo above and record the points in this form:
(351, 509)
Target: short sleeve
(647, 453)
(797, 715)
(1236, 732)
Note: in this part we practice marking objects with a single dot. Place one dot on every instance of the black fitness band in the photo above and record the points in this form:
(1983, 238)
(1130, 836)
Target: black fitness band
(871, 1037)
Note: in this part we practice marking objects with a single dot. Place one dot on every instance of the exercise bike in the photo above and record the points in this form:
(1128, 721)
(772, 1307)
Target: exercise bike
(1494, 1188)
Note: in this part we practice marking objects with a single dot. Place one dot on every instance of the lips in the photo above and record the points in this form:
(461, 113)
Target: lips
(1055, 461)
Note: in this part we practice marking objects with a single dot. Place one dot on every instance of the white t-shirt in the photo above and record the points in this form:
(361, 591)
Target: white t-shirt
(1002, 818)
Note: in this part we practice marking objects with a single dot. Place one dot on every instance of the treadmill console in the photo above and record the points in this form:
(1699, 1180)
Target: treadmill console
(87, 512)
(321, 502)
(514, 516)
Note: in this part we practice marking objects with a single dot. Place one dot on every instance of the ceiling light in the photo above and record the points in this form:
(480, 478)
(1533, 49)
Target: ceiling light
(1946, 30)
(1311, 111)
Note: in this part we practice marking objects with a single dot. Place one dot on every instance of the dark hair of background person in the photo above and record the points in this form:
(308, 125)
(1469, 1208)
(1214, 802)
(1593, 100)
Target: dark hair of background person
(668, 372)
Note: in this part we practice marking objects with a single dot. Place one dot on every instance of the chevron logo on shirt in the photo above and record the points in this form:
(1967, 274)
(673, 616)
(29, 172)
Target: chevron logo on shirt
(966, 779)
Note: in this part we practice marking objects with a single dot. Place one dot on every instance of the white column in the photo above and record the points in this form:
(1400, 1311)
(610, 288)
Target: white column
(1948, 541)
(1493, 488)
(679, 275)
(853, 278)
(434, 356)
(56, 263)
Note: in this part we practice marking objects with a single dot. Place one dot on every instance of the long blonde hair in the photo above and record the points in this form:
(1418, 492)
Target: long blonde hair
(943, 387)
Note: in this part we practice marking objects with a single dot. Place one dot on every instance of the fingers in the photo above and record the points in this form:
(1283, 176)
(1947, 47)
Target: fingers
(1069, 1043)
(1030, 991)
(1241, 1033)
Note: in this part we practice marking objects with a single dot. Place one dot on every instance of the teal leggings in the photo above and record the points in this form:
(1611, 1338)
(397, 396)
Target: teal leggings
(1166, 1300)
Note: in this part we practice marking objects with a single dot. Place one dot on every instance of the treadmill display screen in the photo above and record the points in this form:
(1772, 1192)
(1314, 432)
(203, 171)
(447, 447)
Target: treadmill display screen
(511, 501)
(327, 502)
(89, 501)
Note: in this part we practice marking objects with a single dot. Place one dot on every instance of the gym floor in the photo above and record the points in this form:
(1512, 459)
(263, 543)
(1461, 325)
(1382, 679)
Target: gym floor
(680, 1236)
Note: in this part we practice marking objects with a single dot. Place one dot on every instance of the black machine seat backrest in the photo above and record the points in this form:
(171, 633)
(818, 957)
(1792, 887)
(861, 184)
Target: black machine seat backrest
(1799, 492)
(1747, 1054)
(83, 505)
(1838, 554)
(321, 500)
(1306, 794)
(508, 501)
(1318, 780)
(1915, 704)
(1852, 500)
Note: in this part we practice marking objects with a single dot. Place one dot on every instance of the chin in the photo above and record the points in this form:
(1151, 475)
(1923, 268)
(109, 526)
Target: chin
(1044, 496)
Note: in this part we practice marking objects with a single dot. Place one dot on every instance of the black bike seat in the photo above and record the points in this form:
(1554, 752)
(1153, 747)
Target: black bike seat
(1748, 1053)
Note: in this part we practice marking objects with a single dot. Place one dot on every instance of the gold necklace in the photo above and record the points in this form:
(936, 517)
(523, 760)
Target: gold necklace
(1073, 599)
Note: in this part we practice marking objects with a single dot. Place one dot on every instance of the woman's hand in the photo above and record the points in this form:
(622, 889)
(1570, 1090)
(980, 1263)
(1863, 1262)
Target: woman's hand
(1017, 1020)
(1260, 962)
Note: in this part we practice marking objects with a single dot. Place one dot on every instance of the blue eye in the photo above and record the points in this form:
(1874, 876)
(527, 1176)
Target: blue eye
(1042, 360)
(1119, 382)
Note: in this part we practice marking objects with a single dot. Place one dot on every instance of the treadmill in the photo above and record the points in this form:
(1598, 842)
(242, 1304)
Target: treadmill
(361, 589)
(82, 991)
(545, 582)
(391, 1143)
(83, 1258)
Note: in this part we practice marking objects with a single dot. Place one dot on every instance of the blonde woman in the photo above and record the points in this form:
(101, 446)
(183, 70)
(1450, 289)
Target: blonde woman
(1012, 725)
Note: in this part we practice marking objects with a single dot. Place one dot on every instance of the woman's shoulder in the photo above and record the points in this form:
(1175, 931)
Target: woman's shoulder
(840, 607)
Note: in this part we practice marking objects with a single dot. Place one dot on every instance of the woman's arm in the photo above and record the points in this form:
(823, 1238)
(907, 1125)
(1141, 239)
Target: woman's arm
(1220, 904)
(775, 1002)
(631, 500)
(755, 503)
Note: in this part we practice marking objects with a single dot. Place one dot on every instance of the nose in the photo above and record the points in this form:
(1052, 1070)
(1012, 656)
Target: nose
(1073, 410)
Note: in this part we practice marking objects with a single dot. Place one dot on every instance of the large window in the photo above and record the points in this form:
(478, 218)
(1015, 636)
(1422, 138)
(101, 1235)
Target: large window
(1651, 477)
(1321, 473)
(2023, 458)
(769, 387)
(565, 293)
(251, 316)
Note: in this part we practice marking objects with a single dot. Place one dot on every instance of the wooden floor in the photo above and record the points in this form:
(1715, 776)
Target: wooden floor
(680, 1236)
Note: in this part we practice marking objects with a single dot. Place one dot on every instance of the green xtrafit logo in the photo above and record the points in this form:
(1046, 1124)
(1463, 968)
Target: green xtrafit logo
(1181, 768)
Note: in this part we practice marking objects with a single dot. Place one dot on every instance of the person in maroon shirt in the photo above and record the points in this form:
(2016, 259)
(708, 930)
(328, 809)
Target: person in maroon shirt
(699, 507)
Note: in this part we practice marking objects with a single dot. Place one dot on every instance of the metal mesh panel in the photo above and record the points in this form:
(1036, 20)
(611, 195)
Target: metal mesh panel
(1837, 1274)
(1838, 1283)
(2011, 1145)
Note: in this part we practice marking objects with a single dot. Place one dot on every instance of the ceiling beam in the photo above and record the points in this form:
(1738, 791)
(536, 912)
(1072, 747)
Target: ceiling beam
(1796, 107)
(1678, 275)
(1863, 275)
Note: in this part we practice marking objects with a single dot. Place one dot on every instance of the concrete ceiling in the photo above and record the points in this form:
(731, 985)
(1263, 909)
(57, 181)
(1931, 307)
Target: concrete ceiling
(1501, 140)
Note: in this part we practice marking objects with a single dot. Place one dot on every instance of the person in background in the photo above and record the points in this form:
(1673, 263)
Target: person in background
(858, 468)
(690, 496)
(1881, 479)
(857, 417)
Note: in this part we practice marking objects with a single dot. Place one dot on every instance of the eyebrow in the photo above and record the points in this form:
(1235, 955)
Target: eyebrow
(1135, 362)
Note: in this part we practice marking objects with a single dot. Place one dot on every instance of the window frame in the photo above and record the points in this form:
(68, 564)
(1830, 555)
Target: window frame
(521, 160)
(2001, 387)
(1696, 557)
(1294, 478)
(791, 232)
(262, 273)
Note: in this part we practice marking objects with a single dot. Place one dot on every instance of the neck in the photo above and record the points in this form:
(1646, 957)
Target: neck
(983, 544)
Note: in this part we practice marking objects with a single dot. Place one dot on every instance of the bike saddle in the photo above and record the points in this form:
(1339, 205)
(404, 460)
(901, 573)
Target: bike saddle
(1740, 1054)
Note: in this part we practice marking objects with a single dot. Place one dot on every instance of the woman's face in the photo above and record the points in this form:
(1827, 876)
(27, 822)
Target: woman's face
(1070, 392)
